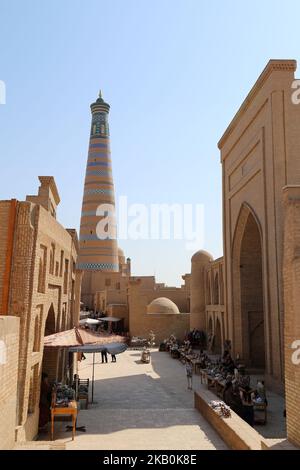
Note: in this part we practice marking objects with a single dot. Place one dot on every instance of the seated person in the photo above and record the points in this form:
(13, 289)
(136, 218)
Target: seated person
(228, 363)
(260, 393)
(232, 398)
(247, 397)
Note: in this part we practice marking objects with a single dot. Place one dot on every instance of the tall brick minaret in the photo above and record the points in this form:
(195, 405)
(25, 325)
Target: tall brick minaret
(97, 256)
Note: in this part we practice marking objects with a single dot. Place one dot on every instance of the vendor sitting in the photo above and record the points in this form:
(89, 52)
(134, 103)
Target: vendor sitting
(203, 359)
(232, 397)
(228, 363)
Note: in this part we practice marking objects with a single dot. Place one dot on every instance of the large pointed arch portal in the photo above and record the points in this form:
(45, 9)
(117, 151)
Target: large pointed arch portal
(248, 295)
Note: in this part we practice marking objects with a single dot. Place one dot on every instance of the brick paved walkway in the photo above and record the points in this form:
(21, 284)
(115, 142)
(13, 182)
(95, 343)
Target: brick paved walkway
(139, 406)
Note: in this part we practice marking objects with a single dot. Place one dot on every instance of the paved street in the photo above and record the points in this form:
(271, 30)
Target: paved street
(139, 406)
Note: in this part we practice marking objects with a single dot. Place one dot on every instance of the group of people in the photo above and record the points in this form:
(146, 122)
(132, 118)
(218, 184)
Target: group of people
(195, 337)
(237, 391)
(237, 394)
(241, 399)
(104, 358)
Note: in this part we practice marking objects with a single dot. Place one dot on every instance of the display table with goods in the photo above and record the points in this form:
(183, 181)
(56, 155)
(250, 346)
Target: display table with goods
(63, 403)
(220, 408)
(138, 343)
(216, 381)
(260, 411)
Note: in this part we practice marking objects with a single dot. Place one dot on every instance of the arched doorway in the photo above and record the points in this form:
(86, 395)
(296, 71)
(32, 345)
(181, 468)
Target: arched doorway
(248, 296)
(218, 338)
(50, 322)
(50, 356)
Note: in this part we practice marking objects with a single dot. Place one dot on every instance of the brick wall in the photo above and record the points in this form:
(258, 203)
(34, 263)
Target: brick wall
(163, 325)
(291, 280)
(41, 298)
(9, 345)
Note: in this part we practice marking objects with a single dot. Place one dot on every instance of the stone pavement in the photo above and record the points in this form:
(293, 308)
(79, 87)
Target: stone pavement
(139, 406)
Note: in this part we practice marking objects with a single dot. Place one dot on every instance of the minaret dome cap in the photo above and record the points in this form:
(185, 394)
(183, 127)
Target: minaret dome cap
(100, 105)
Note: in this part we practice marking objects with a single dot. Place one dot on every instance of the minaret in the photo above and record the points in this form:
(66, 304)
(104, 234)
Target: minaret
(97, 255)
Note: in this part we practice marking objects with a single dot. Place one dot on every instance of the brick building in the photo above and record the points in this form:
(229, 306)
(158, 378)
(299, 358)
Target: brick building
(250, 297)
(39, 284)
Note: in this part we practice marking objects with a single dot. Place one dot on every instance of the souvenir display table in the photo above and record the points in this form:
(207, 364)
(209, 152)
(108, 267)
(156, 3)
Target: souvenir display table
(216, 382)
(260, 411)
(68, 410)
(63, 404)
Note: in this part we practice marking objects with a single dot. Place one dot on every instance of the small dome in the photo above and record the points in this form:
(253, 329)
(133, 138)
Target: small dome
(121, 255)
(162, 305)
(202, 256)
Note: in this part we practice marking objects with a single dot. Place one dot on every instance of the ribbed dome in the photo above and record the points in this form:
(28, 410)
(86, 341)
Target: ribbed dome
(162, 305)
(201, 256)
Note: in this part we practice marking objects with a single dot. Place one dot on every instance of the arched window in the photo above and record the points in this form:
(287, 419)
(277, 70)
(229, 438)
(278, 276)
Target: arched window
(216, 289)
(208, 291)
(52, 258)
(37, 334)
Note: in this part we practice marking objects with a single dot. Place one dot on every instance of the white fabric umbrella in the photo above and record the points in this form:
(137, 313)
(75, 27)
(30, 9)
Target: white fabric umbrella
(113, 319)
(89, 321)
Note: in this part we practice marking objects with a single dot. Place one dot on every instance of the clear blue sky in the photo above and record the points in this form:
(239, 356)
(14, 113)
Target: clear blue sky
(174, 73)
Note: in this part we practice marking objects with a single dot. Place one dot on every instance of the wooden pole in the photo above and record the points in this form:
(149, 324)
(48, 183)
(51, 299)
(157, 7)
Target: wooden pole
(93, 378)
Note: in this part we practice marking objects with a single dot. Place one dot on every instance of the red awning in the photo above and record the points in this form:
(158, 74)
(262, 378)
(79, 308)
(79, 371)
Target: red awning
(80, 337)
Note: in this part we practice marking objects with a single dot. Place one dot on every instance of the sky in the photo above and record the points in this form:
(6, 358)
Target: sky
(174, 73)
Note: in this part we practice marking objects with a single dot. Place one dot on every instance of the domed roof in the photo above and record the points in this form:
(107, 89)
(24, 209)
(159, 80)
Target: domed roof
(100, 104)
(202, 256)
(162, 305)
(121, 255)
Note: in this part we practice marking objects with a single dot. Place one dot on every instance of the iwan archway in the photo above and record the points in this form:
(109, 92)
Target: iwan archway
(248, 292)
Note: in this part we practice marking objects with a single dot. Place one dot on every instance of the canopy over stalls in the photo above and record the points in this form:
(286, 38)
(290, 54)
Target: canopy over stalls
(89, 321)
(79, 337)
(80, 340)
(110, 319)
(112, 348)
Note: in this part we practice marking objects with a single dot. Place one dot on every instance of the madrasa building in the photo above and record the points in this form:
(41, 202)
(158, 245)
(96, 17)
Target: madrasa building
(245, 301)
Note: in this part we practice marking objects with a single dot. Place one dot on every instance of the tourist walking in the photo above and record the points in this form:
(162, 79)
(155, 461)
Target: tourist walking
(104, 356)
(113, 358)
(189, 375)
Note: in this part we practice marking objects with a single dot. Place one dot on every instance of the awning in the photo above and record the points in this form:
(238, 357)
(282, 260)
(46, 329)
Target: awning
(112, 348)
(80, 337)
(113, 319)
(89, 321)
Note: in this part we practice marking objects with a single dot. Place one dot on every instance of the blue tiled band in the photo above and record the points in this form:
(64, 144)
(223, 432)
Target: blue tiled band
(98, 146)
(98, 164)
(98, 191)
(98, 266)
(98, 173)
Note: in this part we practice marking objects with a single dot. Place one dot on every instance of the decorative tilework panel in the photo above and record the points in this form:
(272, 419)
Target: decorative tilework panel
(98, 266)
(98, 191)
